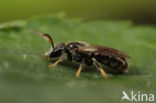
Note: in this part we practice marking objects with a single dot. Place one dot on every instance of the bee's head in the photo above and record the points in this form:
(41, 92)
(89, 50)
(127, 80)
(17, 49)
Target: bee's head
(55, 51)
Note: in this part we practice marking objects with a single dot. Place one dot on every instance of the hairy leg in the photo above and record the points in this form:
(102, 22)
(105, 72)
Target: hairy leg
(58, 61)
(100, 68)
(79, 70)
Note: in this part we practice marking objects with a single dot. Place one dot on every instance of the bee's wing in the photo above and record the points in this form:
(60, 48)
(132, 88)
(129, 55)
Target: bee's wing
(104, 51)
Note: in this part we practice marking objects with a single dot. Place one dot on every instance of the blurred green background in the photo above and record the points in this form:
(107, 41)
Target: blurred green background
(139, 11)
(28, 80)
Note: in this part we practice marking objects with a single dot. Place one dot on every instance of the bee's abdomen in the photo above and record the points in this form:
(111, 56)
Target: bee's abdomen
(118, 65)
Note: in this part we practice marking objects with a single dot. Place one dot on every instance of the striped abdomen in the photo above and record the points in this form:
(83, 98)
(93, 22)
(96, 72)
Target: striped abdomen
(118, 65)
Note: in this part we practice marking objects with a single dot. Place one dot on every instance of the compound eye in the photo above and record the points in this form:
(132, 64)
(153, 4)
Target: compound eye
(57, 52)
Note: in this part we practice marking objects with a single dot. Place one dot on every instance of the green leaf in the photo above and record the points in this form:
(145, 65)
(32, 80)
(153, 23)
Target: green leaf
(26, 78)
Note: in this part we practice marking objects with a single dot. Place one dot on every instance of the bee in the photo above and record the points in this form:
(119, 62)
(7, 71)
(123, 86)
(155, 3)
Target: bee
(87, 55)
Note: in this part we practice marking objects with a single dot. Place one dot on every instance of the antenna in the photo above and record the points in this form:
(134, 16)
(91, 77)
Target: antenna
(45, 36)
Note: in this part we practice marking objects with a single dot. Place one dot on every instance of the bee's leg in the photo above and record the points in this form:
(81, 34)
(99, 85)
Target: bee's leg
(100, 68)
(59, 60)
(79, 70)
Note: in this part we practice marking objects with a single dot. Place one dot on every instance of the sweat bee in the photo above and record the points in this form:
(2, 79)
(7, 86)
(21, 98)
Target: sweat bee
(87, 54)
